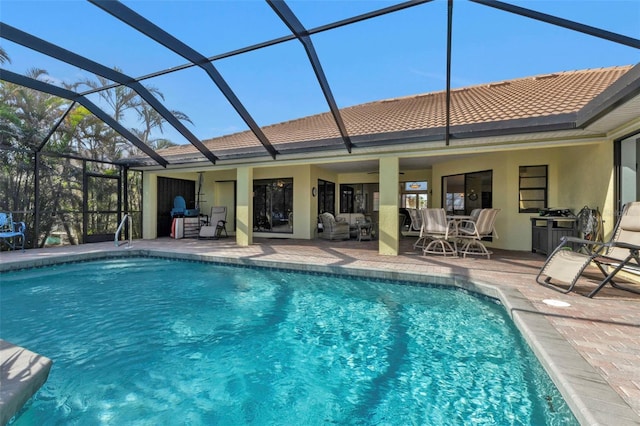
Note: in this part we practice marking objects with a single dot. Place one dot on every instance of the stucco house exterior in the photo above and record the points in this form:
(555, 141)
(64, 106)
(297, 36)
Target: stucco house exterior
(578, 131)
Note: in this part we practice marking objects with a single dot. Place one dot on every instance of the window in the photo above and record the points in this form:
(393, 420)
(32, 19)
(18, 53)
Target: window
(326, 196)
(464, 192)
(347, 198)
(357, 197)
(533, 188)
(414, 195)
(273, 205)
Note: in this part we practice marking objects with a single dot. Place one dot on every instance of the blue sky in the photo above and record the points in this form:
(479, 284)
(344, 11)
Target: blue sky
(395, 55)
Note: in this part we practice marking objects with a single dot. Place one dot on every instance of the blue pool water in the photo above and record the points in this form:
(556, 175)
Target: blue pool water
(153, 341)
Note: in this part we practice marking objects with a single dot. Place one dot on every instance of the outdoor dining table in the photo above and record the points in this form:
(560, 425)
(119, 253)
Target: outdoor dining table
(457, 218)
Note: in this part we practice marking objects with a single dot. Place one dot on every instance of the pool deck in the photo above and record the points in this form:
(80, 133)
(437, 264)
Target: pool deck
(591, 348)
(22, 373)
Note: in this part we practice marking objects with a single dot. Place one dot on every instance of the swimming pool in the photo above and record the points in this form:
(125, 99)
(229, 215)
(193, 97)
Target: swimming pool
(149, 341)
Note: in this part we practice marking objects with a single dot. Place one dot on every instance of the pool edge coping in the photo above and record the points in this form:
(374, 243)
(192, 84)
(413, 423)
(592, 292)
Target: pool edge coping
(17, 389)
(589, 396)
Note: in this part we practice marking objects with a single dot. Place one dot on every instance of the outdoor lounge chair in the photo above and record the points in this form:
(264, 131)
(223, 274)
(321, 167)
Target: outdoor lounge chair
(620, 253)
(333, 229)
(217, 223)
(473, 231)
(439, 232)
(11, 232)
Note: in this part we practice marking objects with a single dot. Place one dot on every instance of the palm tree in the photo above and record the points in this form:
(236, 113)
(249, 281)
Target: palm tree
(152, 121)
(123, 100)
(4, 56)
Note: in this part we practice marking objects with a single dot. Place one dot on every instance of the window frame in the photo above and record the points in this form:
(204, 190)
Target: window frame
(326, 196)
(420, 194)
(533, 188)
(263, 220)
(475, 190)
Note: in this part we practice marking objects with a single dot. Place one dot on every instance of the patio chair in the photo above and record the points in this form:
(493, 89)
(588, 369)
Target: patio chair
(411, 229)
(416, 220)
(472, 217)
(179, 207)
(473, 231)
(440, 232)
(217, 224)
(422, 240)
(475, 214)
(11, 232)
(333, 229)
(620, 253)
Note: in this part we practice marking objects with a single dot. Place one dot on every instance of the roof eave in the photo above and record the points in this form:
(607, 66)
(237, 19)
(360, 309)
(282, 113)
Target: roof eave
(437, 134)
(621, 91)
(467, 131)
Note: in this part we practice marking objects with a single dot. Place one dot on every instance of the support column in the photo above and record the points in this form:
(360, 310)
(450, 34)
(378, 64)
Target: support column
(388, 227)
(36, 201)
(149, 206)
(244, 207)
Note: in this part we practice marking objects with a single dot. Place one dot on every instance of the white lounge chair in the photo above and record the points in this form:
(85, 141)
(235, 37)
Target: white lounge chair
(217, 224)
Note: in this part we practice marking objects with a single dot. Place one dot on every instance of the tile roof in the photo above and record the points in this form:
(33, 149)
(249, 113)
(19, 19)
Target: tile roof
(523, 98)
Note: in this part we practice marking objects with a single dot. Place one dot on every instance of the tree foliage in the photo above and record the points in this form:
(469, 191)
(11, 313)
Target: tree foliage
(62, 134)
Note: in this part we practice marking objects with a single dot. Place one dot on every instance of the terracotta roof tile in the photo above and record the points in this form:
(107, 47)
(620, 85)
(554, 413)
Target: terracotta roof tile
(538, 96)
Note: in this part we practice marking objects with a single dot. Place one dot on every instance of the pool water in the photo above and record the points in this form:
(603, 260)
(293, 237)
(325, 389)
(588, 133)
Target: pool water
(154, 341)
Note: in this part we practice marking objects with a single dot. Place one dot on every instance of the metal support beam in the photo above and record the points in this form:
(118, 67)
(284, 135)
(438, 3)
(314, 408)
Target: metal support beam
(301, 33)
(55, 127)
(85, 201)
(60, 92)
(36, 200)
(124, 179)
(564, 23)
(20, 37)
(368, 15)
(146, 27)
(275, 41)
(447, 134)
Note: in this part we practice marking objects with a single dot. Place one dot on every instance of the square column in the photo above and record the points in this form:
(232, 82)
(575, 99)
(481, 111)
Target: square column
(388, 227)
(149, 206)
(244, 207)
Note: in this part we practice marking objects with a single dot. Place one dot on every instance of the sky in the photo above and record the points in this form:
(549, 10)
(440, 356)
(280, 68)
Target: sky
(399, 54)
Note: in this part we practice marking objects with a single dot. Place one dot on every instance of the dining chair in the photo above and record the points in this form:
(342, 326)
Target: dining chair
(472, 232)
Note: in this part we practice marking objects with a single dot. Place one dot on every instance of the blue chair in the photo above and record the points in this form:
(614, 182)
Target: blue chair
(11, 232)
(179, 207)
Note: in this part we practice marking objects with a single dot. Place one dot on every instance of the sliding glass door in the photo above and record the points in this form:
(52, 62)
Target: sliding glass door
(467, 191)
(627, 158)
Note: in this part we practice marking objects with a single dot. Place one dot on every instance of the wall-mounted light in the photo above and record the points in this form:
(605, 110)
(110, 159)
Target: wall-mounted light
(314, 191)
